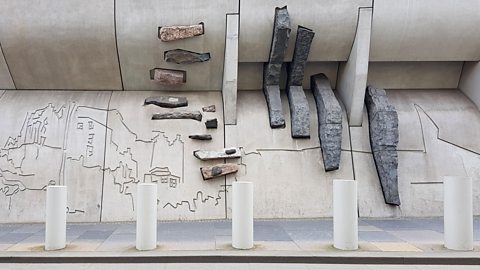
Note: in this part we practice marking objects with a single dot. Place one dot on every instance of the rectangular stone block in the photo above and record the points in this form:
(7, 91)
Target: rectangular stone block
(296, 69)
(274, 104)
(168, 76)
(171, 33)
(299, 112)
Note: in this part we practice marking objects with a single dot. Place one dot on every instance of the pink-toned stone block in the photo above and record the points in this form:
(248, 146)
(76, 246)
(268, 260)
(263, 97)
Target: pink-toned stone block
(168, 76)
(171, 33)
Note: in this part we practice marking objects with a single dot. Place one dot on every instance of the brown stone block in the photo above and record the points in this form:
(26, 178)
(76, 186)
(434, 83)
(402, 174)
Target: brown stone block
(168, 76)
(176, 32)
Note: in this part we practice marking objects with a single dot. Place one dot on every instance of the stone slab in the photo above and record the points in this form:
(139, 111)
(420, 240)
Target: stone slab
(168, 76)
(224, 154)
(296, 69)
(194, 115)
(299, 112)
(274, 104)
(176, 32)
(218, 170)
(180, 56)
(167, 101)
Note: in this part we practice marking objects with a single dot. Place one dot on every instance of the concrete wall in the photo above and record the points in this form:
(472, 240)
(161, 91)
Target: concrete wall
(6, 81)
(470, 81)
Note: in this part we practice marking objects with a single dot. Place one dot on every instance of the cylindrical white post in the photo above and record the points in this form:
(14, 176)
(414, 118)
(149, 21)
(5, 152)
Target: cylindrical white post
(457, 213)
(242, 215)
(146, 216)
(345, 217)
(56, 218)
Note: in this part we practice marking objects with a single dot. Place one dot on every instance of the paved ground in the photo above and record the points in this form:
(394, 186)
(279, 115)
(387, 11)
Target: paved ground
(375, 235)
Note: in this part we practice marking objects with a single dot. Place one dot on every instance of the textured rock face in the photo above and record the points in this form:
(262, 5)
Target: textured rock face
(195, 115)
(218, 170)
(180, 56)
(383, 121)
(168, 76)
(272, 69)
(201, 137)
(211, 123)
(171, 33)
(209, 155)
(299, 110)
(210, 108)
(275, 110)
(329, 121)
(167, 101)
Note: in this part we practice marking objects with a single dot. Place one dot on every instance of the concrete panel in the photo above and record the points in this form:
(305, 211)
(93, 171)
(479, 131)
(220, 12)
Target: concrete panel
(139, 149)
(333, 21)
(51, 138)
(470, 82)
(230, 71)
(250, 74)
(426, 30)
(352, 77)
(6, 81)
(140, 50)
(60, 44)
(414, 75)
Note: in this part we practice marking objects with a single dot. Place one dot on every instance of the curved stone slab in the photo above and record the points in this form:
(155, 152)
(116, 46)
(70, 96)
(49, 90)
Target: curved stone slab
(383, 122)
(274, 104)
(329, 114)
(225, 154)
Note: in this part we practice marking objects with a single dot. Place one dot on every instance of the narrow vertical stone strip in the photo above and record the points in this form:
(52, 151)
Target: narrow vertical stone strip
(299, 109)
(272, 69)
(329, 121)
(383, 121)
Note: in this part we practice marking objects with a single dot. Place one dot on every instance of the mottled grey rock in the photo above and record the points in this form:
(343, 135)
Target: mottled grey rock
(383, 121)
(274, 103)
(299, 109)
(296, 69)
(329, 117)
(176, 32)
(299, 112)
(168, 76)
(272, 69)
(218, 170)
(211, 123)
(210, 108)
(209, 155)
(195, 115)
(167, 101)
(180, 56)
(201, 137)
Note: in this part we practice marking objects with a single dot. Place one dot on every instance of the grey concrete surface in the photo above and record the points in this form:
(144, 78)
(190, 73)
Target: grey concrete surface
(352, 77)
(60, 45)
(470, 81)
(414, 31)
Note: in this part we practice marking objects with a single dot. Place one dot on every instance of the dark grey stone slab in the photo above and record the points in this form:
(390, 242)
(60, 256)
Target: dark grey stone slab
(167, 101)
(274, 104)
(383, 122)
(273, 69)
(195, 115)
(201, 137)
(296, 69)
(210, 108)
(211, 123)
(299, 112)
(329, 117)
(177, 32)
(180, 56)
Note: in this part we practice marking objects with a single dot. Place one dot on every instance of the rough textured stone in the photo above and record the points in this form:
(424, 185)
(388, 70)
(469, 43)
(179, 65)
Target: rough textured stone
(210, 108)
(209, 155)
(329, 121)
(180, 56)
(167, 101)
(299, 112)
(171, 33)
(272, 69)
(296, 69)
(274, 102)
(383, 121)
(195, 115)
(168, 76)
(218, 170)
(201, 137)
(299, 109)
(211, 123)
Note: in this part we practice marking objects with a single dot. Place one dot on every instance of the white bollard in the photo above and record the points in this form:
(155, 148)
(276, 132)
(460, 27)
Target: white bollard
(242, 215)
(345, 216)
(457, 213)
(56, 218)
(146, 216)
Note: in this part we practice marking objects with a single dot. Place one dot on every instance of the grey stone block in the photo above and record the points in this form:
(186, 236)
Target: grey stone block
(281, 35)
(383, 121)
(168, 76)
(195, 115)
(211, 123)
(296, 69)
(167, 101)
(180, 56)
(274, 104)
(299, 112)
(201, 137)
(329, 121)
